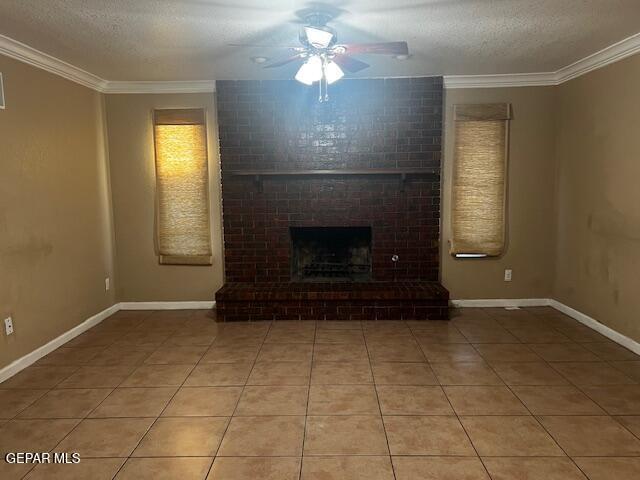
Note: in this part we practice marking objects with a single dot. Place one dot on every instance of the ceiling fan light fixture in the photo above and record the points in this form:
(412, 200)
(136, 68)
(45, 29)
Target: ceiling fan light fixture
(324, 61)
(319, 37)
(332, 72)
(310, 71)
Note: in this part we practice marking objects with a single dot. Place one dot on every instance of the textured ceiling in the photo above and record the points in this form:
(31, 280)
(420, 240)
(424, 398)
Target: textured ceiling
(189, 39)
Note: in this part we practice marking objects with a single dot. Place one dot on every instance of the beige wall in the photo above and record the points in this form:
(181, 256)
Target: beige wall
(56, 244)
(531, 214)
(573, 206)
(140, 276)
(598, 151)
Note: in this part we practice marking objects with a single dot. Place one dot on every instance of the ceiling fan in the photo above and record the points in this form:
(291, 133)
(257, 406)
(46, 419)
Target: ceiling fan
(324, 60)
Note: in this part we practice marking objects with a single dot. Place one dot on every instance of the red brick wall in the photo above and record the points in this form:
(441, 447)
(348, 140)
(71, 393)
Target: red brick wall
(280, 125)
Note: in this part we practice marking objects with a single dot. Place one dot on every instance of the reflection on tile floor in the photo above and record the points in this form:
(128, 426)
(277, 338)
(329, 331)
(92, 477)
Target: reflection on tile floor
(492, 394)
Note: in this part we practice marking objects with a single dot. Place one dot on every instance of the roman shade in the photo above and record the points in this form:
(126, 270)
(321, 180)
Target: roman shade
(182, 187)
(479, 180)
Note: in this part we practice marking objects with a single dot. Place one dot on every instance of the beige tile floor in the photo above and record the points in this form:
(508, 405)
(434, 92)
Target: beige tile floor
(492, 394)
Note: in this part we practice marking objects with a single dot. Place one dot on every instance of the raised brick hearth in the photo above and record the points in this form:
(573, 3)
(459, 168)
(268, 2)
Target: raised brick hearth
(370, 157)
(333, 301)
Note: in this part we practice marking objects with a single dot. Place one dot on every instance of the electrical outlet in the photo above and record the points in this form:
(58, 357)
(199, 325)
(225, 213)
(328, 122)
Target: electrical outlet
(8, 326)
(107, 284)
(507, 275)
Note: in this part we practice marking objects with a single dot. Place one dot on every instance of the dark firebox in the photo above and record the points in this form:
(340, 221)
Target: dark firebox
(331, 254)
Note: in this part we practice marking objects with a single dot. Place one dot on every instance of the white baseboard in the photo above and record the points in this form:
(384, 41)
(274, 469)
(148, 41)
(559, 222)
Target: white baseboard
(586, 320)
(502, 302)
(30, 358)
(195, 305)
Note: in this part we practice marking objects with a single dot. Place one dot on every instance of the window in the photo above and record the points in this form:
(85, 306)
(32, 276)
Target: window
(479, 180)
(182, 187)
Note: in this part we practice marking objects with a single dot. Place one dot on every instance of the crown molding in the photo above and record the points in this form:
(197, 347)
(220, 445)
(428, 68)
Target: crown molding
(500, 80)
(24, 53)
(195, 86)
(611, 54)
(29, 55)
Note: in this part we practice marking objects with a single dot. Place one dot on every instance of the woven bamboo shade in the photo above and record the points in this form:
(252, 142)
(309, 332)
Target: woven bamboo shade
(479, 179)
(182, 187)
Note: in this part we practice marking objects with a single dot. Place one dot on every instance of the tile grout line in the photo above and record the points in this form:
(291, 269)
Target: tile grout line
(154, 422)
(549, 364)
(161, 412)
(87, 416)
(306, 415)
(454, 410)
(409, 415)
(613, 417)
(582, 387)
(156, 419)
(374, 455)
(235, 408)
(46, 391)
(375, 389)
(534, 416)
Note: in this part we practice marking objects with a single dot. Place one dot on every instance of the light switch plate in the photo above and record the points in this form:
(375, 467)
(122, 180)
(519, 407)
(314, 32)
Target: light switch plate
(508, 273)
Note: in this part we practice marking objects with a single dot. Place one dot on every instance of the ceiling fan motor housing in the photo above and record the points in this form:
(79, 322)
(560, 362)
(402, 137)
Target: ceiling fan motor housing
(318, 18)
(317, 21)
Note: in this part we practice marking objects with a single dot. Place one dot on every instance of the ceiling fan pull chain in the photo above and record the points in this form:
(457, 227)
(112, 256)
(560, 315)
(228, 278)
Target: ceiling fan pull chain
(324, 78)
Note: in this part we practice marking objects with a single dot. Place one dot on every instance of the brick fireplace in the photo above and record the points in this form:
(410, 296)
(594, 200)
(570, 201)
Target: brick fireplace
(331, 210)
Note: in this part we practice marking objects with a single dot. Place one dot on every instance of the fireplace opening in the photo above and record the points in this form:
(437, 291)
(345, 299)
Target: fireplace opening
(330, 254)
